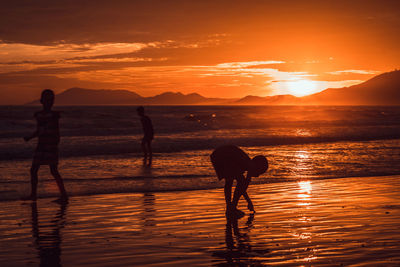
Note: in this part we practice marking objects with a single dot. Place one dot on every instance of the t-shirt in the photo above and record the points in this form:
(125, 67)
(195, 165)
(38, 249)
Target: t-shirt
(47, 125)
(230, 161)
(147, 127)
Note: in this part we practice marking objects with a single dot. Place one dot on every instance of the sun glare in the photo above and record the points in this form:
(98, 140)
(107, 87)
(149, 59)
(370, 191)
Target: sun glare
(301, 87)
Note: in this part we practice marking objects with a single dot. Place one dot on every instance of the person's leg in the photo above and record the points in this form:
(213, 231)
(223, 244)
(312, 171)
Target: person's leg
(34, 181)
(150, 151)
(144, 151)
(239, 190)
(59, 181)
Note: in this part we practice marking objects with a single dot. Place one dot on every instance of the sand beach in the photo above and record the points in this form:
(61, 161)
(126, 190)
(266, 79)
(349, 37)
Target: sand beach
(333, 222)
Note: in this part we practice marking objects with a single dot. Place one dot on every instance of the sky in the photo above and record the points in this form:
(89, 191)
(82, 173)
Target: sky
(216, 48)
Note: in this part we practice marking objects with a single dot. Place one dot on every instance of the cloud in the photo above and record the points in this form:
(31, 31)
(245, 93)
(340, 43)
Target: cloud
(249, 64)
(23, 57)
(224, 75)
(156, 45)
(14, 52)
(367, 72)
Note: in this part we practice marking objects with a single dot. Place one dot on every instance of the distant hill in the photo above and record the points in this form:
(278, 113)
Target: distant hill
(383, 89)
(268, 100)
(170, 98)
(81, 96)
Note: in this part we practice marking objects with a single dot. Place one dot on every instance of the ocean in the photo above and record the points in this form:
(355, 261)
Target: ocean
(100, 146)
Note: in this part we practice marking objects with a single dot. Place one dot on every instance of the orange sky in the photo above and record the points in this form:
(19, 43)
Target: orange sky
(215, 48)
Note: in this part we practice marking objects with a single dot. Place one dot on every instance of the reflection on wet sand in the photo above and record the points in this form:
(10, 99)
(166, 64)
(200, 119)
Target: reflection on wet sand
(149, 212)
(239, 248)
(346, 222)
(304, 195)
(302, 232)
(47, 237)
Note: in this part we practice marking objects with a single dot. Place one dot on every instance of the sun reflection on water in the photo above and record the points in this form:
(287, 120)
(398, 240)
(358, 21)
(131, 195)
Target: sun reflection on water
(302, 132)
(304, 194)
(305, 186)
(302, 161)
(302, 231)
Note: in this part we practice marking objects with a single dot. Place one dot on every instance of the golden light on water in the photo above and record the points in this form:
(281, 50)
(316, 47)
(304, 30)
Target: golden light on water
(303, 132)
(302, 164)
(304, 195)
(305, 186)
(302, 231)
(302, 154)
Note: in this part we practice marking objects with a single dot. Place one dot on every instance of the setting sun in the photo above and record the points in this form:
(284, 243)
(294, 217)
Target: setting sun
(301, 87)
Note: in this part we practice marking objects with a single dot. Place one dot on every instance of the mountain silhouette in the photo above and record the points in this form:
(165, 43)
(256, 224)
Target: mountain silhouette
(268, 100)
(81, 96)
(179, 99)
(383, 89)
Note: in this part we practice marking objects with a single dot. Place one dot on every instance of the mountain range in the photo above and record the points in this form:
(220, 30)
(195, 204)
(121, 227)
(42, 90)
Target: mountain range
(383, 89)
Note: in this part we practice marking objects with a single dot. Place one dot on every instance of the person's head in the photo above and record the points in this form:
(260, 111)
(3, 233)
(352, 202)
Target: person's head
(47, 98)
(259, 165)
(140, 111)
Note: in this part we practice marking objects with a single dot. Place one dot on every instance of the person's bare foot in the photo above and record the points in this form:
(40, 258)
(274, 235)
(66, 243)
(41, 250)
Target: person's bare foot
(251, 207)
(61, 200)
(239, 214)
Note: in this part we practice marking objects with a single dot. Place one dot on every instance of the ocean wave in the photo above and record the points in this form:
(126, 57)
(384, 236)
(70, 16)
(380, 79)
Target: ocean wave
(117, 178)
(110, 187)
(15, 149)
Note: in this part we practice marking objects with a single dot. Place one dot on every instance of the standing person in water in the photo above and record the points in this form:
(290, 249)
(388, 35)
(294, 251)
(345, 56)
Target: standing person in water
(230, 163)
(46, 152)
(147, 137)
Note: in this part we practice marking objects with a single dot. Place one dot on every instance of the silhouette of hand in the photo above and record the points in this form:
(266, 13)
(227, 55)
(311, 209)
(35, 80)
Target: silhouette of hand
(234, 214)
(250, 206)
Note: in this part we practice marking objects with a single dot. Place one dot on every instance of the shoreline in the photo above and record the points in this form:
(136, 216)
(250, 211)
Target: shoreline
(254, 183)
(315, 222)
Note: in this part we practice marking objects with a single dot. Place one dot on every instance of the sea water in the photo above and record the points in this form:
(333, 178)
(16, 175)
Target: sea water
(100, 145)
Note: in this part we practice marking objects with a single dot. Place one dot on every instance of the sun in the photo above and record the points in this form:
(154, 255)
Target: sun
(300, 87)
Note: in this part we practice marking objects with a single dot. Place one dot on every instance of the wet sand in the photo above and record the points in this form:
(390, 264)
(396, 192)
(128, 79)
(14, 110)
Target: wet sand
(347, 221)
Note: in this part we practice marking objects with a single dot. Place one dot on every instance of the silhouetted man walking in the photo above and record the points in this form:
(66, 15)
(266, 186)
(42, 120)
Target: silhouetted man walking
(148, 136)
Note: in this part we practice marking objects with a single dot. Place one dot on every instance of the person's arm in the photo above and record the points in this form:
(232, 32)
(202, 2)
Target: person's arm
(249, 202)
(33, 135)
(239, 190)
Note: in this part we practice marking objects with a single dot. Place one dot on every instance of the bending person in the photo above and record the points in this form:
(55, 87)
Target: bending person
(230, 163)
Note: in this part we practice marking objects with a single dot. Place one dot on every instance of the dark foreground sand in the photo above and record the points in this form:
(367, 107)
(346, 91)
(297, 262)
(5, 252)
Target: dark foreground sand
(349, 221)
